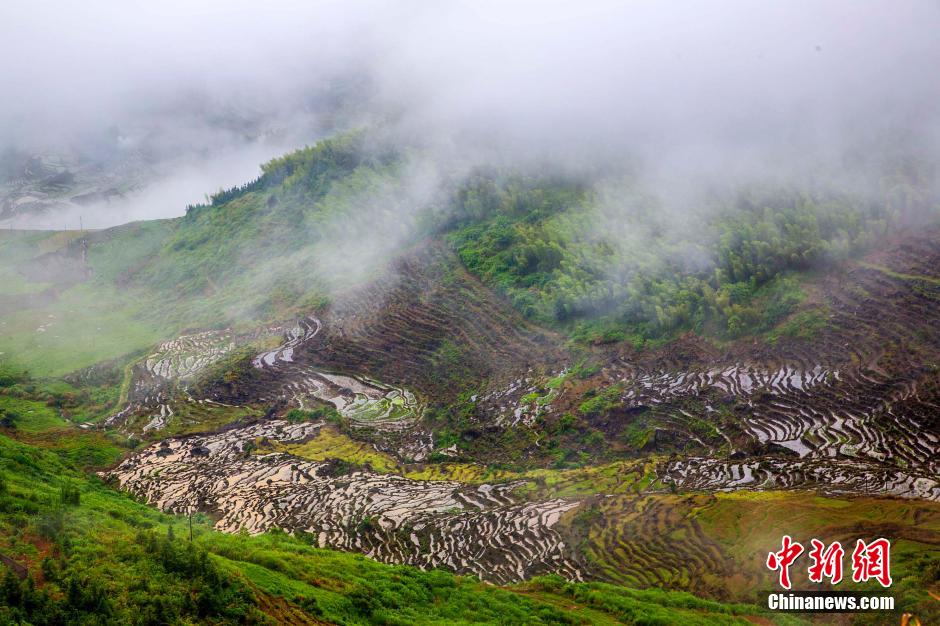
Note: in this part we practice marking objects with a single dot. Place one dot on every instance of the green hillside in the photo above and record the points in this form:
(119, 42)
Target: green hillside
(79, 552)
(564, 331)
(602, 266)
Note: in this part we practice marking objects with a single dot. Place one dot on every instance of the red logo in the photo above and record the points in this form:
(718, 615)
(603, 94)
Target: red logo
(783, 559)
(826, 563)
(872, 560)
(869, 561)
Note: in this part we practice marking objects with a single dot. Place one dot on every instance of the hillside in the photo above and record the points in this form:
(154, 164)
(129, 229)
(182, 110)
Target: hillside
(75, 550)
(534, 388)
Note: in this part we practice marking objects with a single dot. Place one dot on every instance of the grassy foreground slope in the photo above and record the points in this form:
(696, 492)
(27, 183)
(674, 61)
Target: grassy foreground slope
(77, 552)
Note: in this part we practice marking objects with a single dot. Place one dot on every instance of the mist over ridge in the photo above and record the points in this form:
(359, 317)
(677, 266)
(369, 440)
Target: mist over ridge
(681, 93)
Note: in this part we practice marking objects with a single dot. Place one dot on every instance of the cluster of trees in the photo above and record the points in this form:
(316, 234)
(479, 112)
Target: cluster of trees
(92, 568)
(263, 235)
(82, 601)
(566, 257)
(312, 168)
(69, 596)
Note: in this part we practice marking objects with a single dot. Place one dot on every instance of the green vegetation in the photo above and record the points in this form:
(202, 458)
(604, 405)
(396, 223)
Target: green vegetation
(610, 478)
(911, 277)
(599, 403)
(191, 417)
(85, 553)
(714, 544)
(604, 266)
(330, 443)
(556, 248)
(253, 252)
(563, 257)
(326, 412)
(41, 424)
(75, 322)
(803, 324)
(244, 259)
(28, 416)
(650, 606)
(86, 324)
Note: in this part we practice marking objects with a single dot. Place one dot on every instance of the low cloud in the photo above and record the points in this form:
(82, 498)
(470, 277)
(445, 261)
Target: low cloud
(683, 94)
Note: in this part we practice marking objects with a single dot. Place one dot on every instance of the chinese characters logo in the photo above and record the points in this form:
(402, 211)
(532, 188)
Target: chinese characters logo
(870, 561)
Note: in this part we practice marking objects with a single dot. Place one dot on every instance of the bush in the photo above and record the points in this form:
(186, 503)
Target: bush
(8, 418)
(69, 495)
(327, 413)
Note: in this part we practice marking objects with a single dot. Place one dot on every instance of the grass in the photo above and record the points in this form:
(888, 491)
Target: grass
(13, 283)
(38, 424)
(32, 417)
(88, 323)
(649, 606)
(101, 553)
(330, 443)
(602, 401)
(901, 276)
(614, 478)
(119, 251)
(804, 324)
(17, 247)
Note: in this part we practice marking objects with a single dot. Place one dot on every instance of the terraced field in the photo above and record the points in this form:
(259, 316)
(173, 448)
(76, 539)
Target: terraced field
(372, 355)
(481, 529)
(652, 541)
(520, 373)
(363, 401)
(799, 415)
(841, 401)
(715, 544)
(162, 380)
(855, 408)
(432, 327)
(842, 477)
(188, 355)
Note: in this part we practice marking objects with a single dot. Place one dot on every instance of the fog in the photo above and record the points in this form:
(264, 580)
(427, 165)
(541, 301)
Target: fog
(183, 181)
(681, 80)
(682, 94)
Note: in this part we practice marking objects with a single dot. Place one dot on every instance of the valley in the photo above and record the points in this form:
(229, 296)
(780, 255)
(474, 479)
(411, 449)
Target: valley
(418, 417)
(395, 313)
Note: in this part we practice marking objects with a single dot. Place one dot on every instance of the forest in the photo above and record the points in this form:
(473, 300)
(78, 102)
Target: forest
(732, 269)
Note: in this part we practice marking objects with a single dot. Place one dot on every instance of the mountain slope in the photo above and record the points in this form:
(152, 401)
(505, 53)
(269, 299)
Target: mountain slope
(530, 395)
